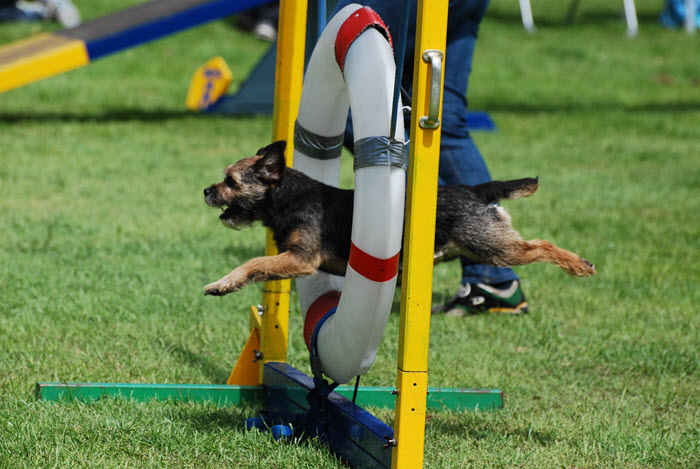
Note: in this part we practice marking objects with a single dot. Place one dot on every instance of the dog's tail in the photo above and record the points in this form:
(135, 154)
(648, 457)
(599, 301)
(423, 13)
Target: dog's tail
(493, 191)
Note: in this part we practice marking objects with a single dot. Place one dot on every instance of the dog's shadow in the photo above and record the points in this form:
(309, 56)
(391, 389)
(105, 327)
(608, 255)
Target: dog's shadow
(212, 419)
(212, 371)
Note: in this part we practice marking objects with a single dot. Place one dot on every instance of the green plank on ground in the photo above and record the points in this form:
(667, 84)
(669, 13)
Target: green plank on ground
(438, 398)
(220, 394)
(223, 394)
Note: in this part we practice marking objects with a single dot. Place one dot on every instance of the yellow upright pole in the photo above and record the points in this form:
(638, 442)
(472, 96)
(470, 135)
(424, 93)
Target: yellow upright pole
(288, 82)
(419, 240)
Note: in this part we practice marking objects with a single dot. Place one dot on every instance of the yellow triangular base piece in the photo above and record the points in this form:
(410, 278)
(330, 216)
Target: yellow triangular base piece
(247, 369)
(208, 84)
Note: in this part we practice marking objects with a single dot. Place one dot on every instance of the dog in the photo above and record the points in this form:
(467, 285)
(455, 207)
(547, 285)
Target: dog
(311, 222)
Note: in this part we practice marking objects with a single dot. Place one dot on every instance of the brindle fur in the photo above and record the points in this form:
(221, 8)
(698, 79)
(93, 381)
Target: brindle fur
(311, 222)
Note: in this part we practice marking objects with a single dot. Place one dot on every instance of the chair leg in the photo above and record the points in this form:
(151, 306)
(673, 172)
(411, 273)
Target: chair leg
(571, 12)
(690, 15)
(526, 13)
(631, 17)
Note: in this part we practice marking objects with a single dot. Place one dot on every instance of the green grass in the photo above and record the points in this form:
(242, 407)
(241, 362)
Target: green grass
(105, 244)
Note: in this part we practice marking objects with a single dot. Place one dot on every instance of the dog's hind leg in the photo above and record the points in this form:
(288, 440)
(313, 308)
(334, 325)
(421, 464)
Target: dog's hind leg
(537, 250)
(487, 236)
(260, 269)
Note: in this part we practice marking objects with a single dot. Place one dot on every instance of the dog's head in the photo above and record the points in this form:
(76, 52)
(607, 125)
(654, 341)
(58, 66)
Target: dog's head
(246, 183)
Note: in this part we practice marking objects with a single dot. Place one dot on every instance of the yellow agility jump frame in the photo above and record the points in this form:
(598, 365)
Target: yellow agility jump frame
(412, 365)
(419, 240)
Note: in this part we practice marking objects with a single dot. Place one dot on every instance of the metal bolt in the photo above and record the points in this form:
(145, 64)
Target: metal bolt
(257, 356)
(389, 442)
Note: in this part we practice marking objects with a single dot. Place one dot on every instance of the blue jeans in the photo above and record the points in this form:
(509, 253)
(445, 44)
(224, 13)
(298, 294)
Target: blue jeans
(460, 159)
(673, 14)
(9, 12)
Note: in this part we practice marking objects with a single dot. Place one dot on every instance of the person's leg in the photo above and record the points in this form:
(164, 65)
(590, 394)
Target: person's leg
(11, 10)
(483, 287)
(460, 159)
(64, 11)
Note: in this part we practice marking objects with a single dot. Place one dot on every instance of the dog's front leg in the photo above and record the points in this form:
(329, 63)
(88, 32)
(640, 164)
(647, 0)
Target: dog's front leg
(282, 266)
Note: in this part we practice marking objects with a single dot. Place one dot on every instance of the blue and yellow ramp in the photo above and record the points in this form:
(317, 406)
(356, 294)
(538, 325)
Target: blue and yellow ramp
(49, 54)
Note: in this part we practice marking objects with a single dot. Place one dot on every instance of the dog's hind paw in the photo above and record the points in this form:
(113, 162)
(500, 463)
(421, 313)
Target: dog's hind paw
(587, 269)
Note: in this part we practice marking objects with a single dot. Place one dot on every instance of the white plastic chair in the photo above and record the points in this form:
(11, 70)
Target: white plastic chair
(630, 15)
(690, 16)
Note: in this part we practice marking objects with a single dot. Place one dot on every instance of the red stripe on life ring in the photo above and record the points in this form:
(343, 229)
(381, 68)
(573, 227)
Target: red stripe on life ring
(317, 310)
(356, 24)
(373, 268)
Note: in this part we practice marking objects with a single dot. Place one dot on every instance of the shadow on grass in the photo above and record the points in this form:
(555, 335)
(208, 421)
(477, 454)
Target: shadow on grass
(211, 420)
(474, 428)
(554, 108)
(573, 17)
(115, 115)
(213, 371)
(138, 115)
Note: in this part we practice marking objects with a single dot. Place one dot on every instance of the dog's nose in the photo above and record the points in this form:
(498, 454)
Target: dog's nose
(207, 191)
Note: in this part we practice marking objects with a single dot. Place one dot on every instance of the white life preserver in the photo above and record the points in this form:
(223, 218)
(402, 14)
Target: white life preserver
(352, 67)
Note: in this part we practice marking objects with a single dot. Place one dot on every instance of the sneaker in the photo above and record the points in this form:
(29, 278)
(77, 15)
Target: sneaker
(28, 11)
(481, 298)
(266, 30)
(62, 11)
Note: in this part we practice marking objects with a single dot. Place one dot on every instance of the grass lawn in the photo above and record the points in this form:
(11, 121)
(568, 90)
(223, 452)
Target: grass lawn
(106, 243)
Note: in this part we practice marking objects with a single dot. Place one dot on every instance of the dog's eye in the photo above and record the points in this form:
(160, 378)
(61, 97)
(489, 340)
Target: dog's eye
(230, 182)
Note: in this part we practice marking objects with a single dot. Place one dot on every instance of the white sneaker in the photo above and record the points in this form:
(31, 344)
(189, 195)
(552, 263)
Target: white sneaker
(63, 11)
(32, 8)
(265, 30)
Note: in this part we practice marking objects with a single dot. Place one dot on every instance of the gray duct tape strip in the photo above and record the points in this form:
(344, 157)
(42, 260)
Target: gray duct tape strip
(316, 146)
(380, 151)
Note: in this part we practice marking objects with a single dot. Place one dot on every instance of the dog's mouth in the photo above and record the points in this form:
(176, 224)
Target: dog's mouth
(234, 213)
(226, 211)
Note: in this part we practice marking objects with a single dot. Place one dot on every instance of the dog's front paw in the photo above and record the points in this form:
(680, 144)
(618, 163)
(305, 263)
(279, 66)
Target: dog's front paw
(223, 286)
(214, 289)
(219, 289)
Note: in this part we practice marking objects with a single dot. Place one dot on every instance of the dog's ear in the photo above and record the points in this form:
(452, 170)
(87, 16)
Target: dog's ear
(275, 147)
(271, 166)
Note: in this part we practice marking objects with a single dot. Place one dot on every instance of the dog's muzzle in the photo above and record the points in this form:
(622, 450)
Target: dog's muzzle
(210, 197)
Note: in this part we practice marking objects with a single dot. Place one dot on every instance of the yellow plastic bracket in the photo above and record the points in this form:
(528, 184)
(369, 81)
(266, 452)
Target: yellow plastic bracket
(246, 371)
(254, 318)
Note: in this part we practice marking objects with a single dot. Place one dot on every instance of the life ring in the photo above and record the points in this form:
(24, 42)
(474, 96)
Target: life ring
(352, 67)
